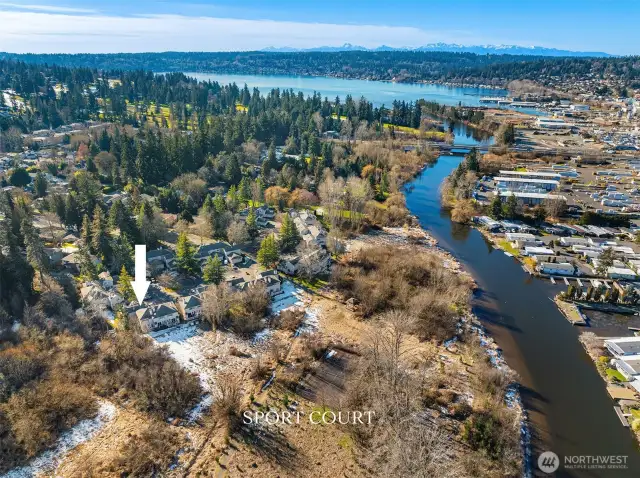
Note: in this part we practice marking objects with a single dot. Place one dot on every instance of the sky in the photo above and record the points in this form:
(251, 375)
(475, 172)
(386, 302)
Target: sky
(109, 26)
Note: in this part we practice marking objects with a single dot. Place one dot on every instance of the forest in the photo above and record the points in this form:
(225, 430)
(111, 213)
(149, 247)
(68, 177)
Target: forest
(382, 65)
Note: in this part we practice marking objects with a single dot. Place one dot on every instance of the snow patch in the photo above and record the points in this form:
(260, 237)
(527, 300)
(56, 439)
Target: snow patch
(83, 431)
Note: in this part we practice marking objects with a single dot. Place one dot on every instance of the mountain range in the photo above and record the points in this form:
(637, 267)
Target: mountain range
(452, 47)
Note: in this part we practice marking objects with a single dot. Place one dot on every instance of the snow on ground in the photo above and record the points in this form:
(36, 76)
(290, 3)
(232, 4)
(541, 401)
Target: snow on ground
(310, 324)
(80, 433)
(291, 296)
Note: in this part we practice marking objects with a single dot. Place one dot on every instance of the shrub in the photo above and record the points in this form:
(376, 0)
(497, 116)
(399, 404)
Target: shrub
(150, 452)
(130, 365)
(38, 413)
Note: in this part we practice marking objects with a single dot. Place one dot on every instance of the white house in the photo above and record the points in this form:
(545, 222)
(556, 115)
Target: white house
(158, 316)
(621, 273)
(574, 241)
(556, 268)
(271, 281)
(537, 251)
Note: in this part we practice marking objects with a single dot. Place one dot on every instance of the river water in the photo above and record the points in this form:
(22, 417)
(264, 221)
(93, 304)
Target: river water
(569, 409)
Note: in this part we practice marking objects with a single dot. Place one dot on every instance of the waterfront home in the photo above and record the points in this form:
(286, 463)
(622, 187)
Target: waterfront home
(521, 184)
(629, 367)
(561, 268)
(519, 236)
(621, 273)
(574, 241)
(530, 198)
(191, 307)
(158, 316)
(538, 251)
(490, 224)
(623, 346)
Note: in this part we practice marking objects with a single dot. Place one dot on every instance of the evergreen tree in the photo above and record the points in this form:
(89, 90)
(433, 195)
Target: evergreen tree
(511, 207)
(252, 226)
(213, 270)
(472, 160)
(495, 210)
(99, 237)
(116, 180)
(185, 256)
(268, 254)
(85, 231)
(40, 185)
(232, 171)
(289, 235)
(87, 268)
(73, 217)
(36, 255)
(244, 189)
(121, 254)
(207, 205)
(219, 204)
(124, 285)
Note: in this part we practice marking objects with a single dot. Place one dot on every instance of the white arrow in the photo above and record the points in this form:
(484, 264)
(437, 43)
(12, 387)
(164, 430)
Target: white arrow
(140, 283)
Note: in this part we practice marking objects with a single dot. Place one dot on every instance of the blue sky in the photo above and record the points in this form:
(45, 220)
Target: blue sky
(224, 25)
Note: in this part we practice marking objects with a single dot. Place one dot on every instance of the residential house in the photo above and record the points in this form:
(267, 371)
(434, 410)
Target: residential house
(191, 307)
(106, 280)
(159, 260)
(319, 261)
(621, 273)
(95, 296)
(72, 262)
(271, 281)
(158, 316)
(556, 268)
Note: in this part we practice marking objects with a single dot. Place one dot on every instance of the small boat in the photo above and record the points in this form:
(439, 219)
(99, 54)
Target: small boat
(507, 254)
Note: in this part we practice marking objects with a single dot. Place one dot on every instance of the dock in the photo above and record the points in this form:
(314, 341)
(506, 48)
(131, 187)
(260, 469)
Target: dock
(552, 280)
(621, 416)
(571, 312)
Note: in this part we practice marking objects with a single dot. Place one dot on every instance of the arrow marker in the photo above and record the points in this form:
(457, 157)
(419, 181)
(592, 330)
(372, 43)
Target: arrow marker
(140, 283)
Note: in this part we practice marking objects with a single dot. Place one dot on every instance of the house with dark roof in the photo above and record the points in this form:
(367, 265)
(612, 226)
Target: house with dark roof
(159, 260)
(191, 307)
(158, 316)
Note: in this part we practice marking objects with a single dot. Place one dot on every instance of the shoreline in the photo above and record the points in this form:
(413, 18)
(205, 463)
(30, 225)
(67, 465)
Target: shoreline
(417, 235)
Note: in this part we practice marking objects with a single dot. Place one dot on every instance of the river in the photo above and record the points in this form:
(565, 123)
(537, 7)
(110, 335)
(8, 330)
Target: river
(378, 92)
(569, 409)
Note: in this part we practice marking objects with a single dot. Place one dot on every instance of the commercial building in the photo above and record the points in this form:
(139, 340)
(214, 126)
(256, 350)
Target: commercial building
(530, 199)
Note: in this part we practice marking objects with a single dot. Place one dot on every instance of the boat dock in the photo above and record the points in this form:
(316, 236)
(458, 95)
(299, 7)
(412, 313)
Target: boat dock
(571, 312)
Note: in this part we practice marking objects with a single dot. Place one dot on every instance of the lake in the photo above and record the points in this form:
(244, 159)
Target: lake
(378, 92)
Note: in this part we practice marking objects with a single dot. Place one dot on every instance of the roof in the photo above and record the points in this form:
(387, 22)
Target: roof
(531, 173)
(191, 301)
(156, 253)
(625, 345)
(160, 310)
(526, 180)
(621, 393)
(532, 195)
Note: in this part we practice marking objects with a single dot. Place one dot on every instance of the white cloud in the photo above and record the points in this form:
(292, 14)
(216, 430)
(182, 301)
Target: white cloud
(40, 32)
(47, 8)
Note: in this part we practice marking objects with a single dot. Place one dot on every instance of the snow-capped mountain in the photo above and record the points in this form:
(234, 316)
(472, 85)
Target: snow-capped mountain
(453, 47)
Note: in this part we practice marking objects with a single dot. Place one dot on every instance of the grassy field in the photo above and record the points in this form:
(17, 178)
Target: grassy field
(506, 245)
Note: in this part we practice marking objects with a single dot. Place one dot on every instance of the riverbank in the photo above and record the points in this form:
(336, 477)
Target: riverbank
(535, 339)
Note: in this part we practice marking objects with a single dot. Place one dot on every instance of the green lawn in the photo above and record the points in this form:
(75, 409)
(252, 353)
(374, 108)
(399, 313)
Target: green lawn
(506, 245)
(635, 412)
(613, 373)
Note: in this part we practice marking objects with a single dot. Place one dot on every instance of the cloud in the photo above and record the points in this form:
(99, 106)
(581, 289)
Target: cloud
(47, 8)
(40, 32)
